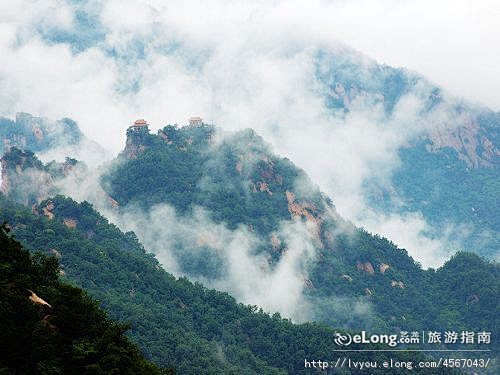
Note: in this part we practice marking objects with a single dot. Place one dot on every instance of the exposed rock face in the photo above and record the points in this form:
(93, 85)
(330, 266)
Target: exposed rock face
(383, 267)
(47, 210)
(264, 187)
(299, 209)
(70, 222)
(347, 277)
(367, 267)
(397, 284)
(37, 300)
(112, 202)
(136, 141)
(133, 148)
(307, 211)
(467, 139)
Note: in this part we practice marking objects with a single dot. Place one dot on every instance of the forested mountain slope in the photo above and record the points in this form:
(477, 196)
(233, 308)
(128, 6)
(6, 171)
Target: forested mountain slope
(37, 134)
(244, 187)
(175, 323)
(242, 184)
(51, 327)
(53, 138)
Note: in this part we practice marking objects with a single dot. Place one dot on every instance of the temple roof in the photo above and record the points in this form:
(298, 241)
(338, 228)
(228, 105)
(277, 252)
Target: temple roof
(140, 122)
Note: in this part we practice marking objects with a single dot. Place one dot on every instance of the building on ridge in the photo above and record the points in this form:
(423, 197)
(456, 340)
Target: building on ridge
(195, 120)
(140, 125)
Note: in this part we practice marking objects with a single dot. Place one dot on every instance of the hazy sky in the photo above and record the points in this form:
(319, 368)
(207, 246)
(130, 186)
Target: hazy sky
(455, 43)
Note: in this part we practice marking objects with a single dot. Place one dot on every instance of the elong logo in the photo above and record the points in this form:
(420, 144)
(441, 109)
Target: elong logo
(345, 339)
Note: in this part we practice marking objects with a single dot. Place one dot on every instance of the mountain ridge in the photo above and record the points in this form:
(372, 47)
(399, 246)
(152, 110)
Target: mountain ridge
(351, 266)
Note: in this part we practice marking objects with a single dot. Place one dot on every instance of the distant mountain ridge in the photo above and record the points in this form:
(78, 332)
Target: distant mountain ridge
(37, 134)
(449, 165)
(350, 81)
(53, 139)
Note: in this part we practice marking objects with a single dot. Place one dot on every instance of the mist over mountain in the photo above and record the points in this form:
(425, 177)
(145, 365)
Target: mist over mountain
(157, 61)
(444, 152)
(49, 139)
(315, 189)
(222, 209)
(177, 324)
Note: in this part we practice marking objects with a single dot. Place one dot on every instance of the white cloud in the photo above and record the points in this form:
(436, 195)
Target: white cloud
(250, 64)
(451, 42)
(247, 275)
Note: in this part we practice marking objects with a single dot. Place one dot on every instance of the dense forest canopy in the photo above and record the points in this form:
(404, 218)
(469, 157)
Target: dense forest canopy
(50, 327)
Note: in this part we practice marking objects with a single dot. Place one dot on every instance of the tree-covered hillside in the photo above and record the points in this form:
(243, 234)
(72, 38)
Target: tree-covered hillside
(51, 327)
(449, 191)
(175, 323)
(239, 182)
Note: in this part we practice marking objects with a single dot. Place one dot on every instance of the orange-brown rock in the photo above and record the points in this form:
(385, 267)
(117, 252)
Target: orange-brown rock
(367, 267)
(37, 300)
(70, 222)
(466, 139)
(112, 202)
(264, 187)
(383, 267)
(47, 210)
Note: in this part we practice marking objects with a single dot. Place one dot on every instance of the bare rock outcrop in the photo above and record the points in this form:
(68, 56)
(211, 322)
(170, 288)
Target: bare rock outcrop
(365, 266)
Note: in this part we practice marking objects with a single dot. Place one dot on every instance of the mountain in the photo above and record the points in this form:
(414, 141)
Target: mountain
(241, 184)
(233, 231)
(351, 267)
(175, 322)
(50, 327)
(53, 138)
(28, 181)
(251, 196)
(450, 159)
(37, 134)
(447, 159)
